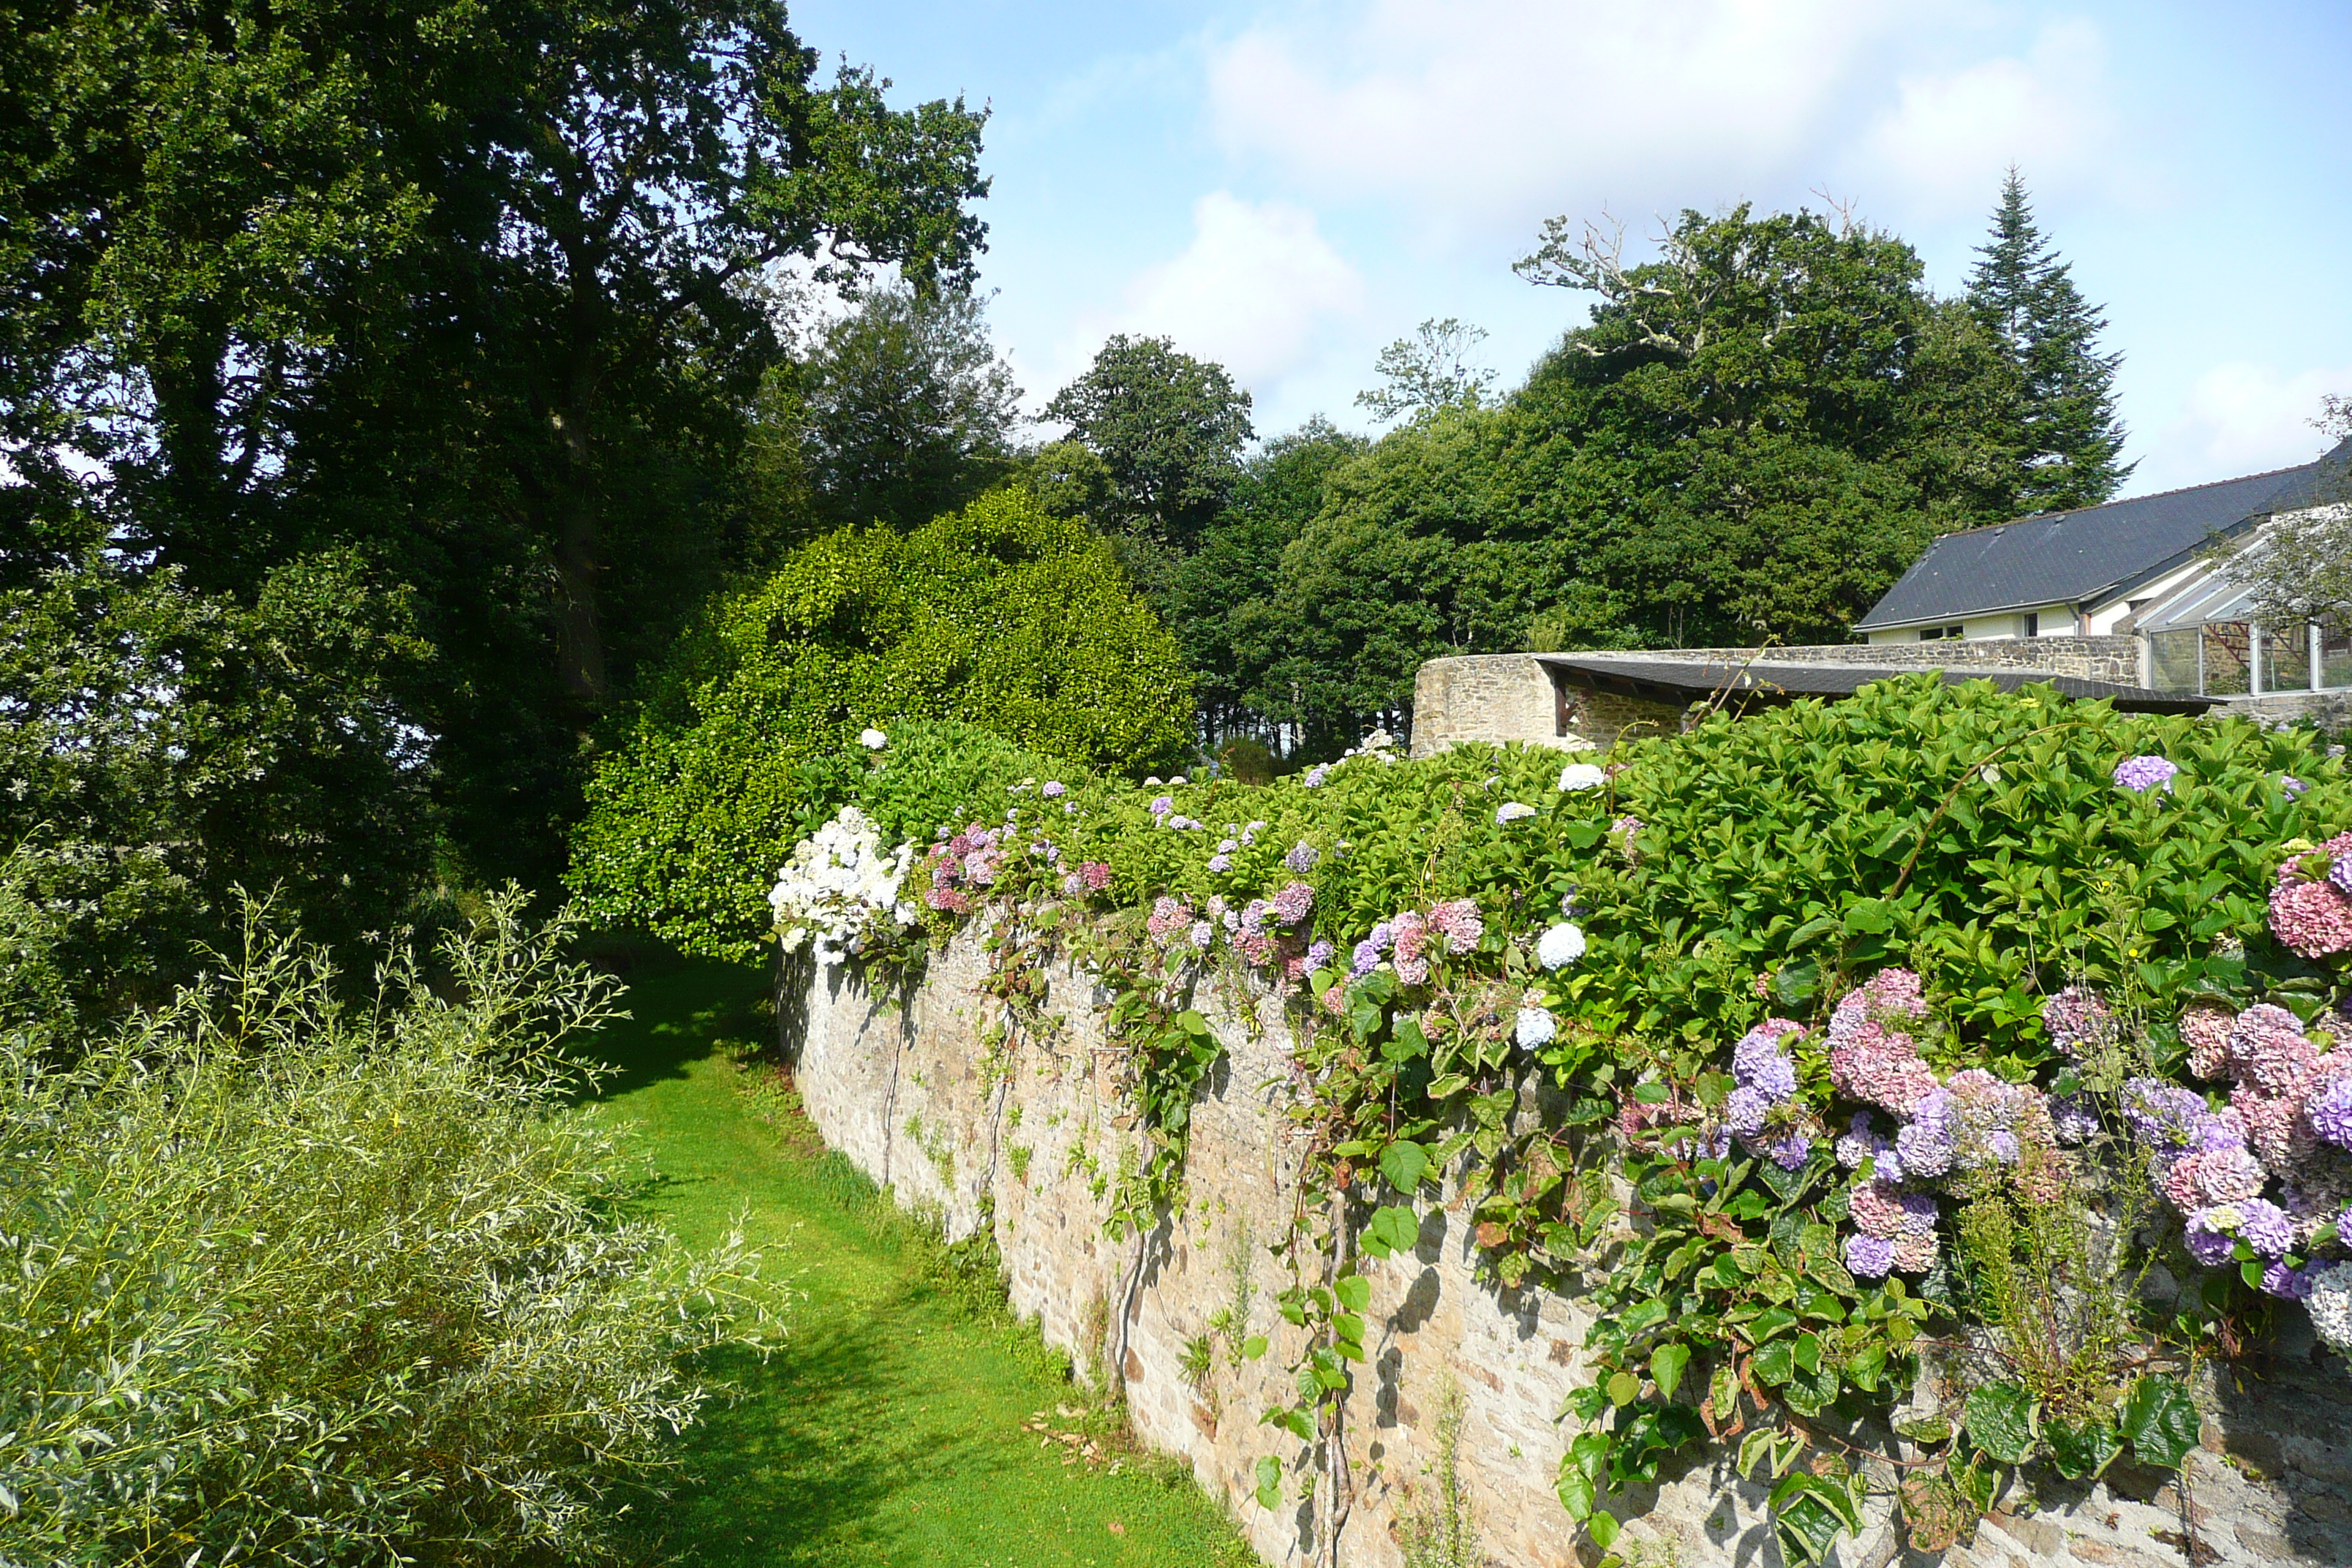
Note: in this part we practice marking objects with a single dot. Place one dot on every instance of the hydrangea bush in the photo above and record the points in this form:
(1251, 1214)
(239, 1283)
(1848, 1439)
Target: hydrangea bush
(1939, 1027)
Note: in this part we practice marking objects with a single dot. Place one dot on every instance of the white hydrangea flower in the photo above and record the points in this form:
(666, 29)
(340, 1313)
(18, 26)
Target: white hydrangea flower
(873, 740)
(1559, 945)
(840, 890)
(1582, 775)
(1513, 811)
(1536, 1027)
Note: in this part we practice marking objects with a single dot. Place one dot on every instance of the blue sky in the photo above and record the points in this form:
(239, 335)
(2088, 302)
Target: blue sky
(1285, 187)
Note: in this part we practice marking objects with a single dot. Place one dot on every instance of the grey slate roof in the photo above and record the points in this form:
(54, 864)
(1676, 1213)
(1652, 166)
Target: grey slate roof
(1666, 678)
(2084, 557)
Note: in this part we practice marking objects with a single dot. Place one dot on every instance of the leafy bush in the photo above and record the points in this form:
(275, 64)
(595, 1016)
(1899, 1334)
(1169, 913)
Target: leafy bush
(293, 1281)
(999, 615)
(1978, 934)
(165, 746)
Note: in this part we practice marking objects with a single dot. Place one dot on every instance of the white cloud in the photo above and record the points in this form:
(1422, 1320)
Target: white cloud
(2242, 418)
(1950, 134)
(1488, 111)
(1254, 292)
(1493, 104)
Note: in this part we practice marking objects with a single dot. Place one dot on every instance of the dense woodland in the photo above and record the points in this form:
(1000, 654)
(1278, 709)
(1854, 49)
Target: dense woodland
(389, 393)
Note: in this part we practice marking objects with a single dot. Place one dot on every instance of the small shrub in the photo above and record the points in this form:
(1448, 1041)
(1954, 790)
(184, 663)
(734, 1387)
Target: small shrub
(283, 1279)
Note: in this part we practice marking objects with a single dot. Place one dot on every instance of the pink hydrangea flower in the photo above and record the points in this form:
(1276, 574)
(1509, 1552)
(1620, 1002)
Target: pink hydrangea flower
(2205, 1030)
(2269, 1049)
(2311, 918)
(1459, 921)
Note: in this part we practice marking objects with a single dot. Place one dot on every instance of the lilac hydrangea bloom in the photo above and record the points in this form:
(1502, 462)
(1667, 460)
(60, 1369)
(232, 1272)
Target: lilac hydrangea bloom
(1918, 1214)
(1756, 1062)
(1202, 934)
(2266, 1227)
(1319, 954)
(2209, 1243)
(2160, 1112)
(1219, 864)
(1868, 1257)
(1925, 1144)
(1745, 1111)
(2074, 1119)
(2330, 1113)
(2287, 1284)
(1303, 857)
(1161, 804)
(2140, 775)
(1315, 775)
(2292, 786)
(1790, 1152)
(1053, 789)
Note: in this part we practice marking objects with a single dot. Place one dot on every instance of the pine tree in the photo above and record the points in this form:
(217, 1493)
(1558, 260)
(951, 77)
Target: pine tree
(2067, 433)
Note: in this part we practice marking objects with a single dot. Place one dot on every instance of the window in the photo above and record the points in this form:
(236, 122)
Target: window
(2032, 619)
(2286, 659)
(1940, 634)
(2334, 656)
(2228, 659)
(2172, 660)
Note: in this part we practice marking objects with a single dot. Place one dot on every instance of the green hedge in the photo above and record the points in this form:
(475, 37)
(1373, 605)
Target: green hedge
(999, 615)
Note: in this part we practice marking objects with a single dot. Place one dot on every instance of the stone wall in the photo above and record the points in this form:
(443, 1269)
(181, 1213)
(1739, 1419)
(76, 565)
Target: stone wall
(1029, 1138)
(2115, 658)
(1502, 697)
(1495, 697)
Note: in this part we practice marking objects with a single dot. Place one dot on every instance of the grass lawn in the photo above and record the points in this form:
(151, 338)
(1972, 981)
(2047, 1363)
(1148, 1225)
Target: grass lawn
(894, 1426)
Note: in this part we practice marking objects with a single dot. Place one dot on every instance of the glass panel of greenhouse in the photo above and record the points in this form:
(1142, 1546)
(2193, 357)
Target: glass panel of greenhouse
(2173, 661)
(2229, 660)
(2286, 659)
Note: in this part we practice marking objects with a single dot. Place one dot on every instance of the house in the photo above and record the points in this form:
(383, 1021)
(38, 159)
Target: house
(2137, 568)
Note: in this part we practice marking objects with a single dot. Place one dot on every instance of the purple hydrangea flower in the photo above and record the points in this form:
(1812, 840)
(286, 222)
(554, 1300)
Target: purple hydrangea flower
(2209, 1243)
(2161, 1112)
(2291, 785)
(1202, 934)
(2287, 1284)
(1315, 775)
(1161, 804)
(1745, 1111)
(1053, 789)
(2266, 1227)
(1756, 1062)
(2330, 1113)
(1918, 1214)
(1868, 1257)
(2001, 1144)
(1319, 955)
(1219, 864)
(2140, 775)
(1925, 1144)
(2074, 1119)
(1303, 857)
(1790, 1152)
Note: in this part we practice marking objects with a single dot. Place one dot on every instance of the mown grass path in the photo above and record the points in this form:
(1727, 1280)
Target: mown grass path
(889, 1429)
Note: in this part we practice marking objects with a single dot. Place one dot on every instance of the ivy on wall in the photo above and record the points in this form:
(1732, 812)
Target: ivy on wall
(1827, 1056)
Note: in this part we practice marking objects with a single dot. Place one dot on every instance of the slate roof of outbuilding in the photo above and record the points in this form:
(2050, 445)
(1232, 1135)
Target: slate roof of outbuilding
(2086, 556)
(1664, 678)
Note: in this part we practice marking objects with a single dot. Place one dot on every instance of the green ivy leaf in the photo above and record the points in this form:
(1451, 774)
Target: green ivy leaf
(1354, 1291)
(1392, 1230)
(2160, 1421)
(1666, 1363)
(1269, 1481)
(1604, 1528)
(1405, 1162)
(1576, 1492)
(2082, 1449)
(1622, 1386)
(2000, 1421)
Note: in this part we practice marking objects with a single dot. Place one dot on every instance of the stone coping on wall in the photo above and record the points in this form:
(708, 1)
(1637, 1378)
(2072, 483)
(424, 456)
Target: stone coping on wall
(1028, 1136)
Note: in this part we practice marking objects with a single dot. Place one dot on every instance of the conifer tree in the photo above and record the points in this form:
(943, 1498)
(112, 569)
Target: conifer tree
(2067, 433)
